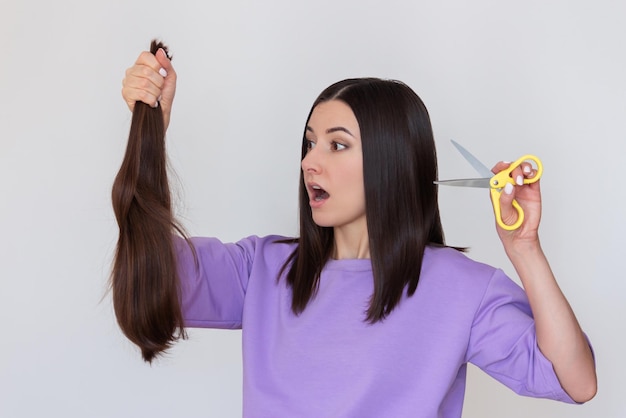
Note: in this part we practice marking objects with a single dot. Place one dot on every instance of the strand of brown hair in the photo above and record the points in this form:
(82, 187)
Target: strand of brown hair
(144, 280)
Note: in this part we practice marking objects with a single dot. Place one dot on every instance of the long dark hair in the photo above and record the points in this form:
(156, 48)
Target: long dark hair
(144, 279)
(399, 168)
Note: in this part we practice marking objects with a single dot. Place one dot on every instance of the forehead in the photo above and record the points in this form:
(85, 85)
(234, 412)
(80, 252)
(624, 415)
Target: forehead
(333, 114)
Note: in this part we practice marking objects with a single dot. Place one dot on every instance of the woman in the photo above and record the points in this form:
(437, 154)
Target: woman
(368, 313)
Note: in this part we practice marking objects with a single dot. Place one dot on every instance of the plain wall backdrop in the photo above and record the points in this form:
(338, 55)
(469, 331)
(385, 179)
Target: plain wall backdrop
(504, 78)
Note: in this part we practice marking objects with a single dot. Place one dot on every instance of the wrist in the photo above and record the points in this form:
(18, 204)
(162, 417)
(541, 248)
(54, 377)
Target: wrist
(524, 249)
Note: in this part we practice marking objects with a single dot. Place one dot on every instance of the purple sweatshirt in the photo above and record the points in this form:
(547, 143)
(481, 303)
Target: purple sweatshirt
(329, 362)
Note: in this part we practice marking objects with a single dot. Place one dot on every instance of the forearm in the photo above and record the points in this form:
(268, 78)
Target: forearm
(559, 335)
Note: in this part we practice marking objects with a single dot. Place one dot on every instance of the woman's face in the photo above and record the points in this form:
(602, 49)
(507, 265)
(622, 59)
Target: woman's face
(333, 167)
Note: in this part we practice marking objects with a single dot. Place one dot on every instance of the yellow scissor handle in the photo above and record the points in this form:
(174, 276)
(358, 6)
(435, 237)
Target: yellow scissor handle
(499, 180)
(495, 198)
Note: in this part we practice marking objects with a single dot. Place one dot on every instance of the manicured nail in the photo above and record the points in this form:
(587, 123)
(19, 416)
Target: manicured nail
(508, 189)
(163, 72)
(519, 180)
(526, 169)
(162, 51)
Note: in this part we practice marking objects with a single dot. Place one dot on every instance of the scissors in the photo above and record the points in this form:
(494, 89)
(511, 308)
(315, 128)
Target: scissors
(496, 182)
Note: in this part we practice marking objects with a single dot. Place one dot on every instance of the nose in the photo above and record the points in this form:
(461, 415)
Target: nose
(310, 163)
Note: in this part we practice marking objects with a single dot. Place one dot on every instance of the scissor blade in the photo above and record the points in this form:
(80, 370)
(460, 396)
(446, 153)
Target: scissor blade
(482, 183)
(478, 166)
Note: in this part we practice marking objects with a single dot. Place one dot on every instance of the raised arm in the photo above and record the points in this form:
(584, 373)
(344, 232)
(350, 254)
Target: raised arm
(559, 335)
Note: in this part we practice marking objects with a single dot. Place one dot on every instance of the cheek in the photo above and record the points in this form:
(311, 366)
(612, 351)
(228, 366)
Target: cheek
(352, 175)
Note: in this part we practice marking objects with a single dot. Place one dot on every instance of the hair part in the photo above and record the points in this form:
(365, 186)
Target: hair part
(144, 279)
(401, 202)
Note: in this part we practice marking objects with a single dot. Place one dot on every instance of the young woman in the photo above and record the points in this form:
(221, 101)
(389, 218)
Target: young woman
(367, 313)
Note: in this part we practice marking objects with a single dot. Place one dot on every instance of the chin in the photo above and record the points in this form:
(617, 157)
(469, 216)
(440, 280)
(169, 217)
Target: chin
(322, 222)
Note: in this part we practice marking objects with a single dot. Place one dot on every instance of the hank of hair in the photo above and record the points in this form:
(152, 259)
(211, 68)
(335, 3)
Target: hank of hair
(144, 280)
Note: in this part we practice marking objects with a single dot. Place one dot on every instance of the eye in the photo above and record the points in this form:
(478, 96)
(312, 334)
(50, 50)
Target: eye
(309, 144)
(336, 146)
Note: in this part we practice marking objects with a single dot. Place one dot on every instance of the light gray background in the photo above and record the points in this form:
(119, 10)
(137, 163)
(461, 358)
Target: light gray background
(504, 78)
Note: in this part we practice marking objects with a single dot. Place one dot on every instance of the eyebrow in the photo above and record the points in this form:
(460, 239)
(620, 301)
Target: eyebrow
(331, 130)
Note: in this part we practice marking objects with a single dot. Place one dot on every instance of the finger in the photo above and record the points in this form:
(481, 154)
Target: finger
(148, 59)
(132, 95)
(508, 213)
(167, 71)
(502, 165)
(140, 84)
(143, 76)
(517, 173)
(168, 90)
(164, 62)
(528, 170)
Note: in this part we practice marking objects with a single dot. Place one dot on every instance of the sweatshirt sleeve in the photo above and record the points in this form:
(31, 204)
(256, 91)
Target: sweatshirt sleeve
(213, 282)
(503, 342)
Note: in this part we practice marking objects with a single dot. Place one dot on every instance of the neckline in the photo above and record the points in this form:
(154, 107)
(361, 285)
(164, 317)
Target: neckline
(349, 264)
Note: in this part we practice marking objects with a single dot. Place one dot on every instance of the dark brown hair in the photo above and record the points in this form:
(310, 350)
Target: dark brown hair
(144, 279)
(399, 168)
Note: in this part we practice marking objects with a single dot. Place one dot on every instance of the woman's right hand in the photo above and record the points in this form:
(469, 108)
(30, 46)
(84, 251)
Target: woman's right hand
(150, 80)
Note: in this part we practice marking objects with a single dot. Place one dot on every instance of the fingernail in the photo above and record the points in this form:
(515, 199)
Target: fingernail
(156, 104)
(519, 180)
(163, 72)
(159, 99)
(508, 189)
(526, 169)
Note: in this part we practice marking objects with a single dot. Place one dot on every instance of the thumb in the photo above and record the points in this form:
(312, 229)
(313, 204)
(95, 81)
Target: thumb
(163, 59)
(168, 90)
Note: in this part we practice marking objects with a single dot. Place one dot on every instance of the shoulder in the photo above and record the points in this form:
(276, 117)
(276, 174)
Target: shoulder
(250, 244)
(268, 243)
(453, 271)
(449, 260)
(269, 249)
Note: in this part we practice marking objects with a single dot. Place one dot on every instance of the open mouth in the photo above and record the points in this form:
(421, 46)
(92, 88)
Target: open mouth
(319, 194)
